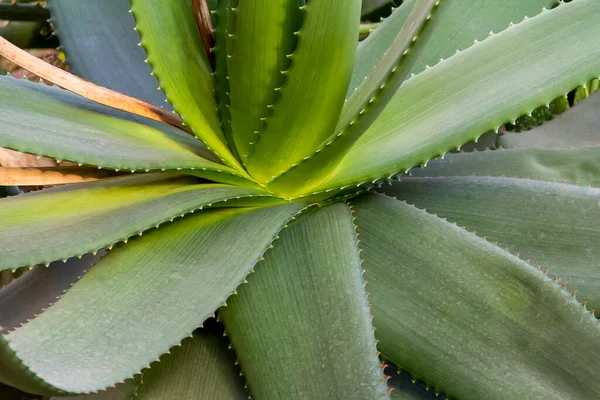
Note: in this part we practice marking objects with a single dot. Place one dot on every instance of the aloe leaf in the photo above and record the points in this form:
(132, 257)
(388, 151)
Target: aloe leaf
(305, 310)
(373, 48)
(365, 104)
(555, 226)
(483, 17)
(578, 166)
(47, 121)
(201, 368)
(60, 223)
(451, 33)
(121, 391)
(577, 127)
(255, 66)
(183, 71)
(218, 10)
(101, 46)
(467, 317)
(305, 114)
(431, 113)
(35, 291)
(138, 301)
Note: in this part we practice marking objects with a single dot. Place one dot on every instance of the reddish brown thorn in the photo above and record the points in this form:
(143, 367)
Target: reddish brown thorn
(205, 28)
(86, 89)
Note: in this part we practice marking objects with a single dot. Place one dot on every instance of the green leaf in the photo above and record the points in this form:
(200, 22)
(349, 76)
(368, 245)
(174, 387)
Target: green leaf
(101, 46)
(451, 33)
(183, 71)
(464, 21)
(579, 166)
(314, 90)
(261, 36)
(218, 11)
(73, 220)
(555, 226)
(48, 121)
(450, 104)
(373, 48)
(364, 106)
(467, 317)
(301, 327)
(577, 127)
(201, 368)
(34, 291)
(138, 301)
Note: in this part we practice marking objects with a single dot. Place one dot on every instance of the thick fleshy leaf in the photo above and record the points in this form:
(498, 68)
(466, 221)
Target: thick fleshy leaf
(201, 368)
(138, 301)
(261, 36)
(365, 104)
(101, 46)
(450, 104)
(219, 14)
(467, 317)
(579, 166)
(451, 34)
(55, 224)
(555, 226)
(48, 121)
(483, 16)
(314, 89)
(32, 293)
(182, 70)
(305, 310)
(373, 48)
(577, 127)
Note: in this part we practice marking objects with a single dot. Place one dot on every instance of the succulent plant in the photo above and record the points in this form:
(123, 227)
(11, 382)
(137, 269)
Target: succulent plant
(276, 196)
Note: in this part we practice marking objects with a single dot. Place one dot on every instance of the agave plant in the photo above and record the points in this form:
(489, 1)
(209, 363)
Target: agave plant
(275, 195)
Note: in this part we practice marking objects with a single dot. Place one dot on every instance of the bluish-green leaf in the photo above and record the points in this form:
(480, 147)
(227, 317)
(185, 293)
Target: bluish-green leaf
(201, 368)
(73, 220)
(139, 301)
(301, 327)
(468, 318)
(101, 46)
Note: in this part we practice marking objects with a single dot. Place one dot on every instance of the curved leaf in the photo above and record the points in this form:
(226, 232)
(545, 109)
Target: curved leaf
(101, 46)
(314, 90)
(556, 226)
(450, 104)
(201, 368)
(47, 121)
(483, 16)
(255, 65)
(364, 106)
(37, 290)
(56, 224)
(306, 311)
(467, 317)
(183, 71)
(138, 301)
